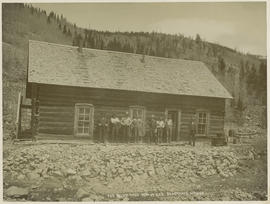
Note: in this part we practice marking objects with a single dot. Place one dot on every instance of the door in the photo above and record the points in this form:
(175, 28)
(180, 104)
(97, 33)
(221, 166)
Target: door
(139, 113)
(174, 116)
(84, 120)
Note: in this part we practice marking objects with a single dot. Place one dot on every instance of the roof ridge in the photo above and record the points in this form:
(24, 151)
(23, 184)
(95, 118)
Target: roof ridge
(136, 54)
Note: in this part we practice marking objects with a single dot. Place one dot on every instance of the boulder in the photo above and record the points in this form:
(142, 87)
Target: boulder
(32, 176)
(69, 172)
(21, 177)
(81, 193)
(160, 171)
(57, 173)
(17, 192)
(85, 173)
(87, 199)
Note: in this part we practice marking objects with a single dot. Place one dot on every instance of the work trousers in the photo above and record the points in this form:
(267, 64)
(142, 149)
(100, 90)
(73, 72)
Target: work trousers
(192, 138)
(126, 133)
(136, 134)
(103, 134)
(115, 133)
(152, 136)
(159, 135)
(168, 134)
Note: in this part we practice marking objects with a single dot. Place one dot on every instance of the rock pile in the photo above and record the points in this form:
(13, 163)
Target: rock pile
(126, 163)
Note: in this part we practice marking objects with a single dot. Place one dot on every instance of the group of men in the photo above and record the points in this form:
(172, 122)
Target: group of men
(127, 129)
(160, 129)
(123, 129)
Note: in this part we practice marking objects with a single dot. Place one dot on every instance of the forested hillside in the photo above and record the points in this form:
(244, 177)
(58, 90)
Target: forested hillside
(243, 75)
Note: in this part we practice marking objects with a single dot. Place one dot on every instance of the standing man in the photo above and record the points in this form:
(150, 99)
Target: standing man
(134, 129)
(192, 130)
(140, 129)
(103, 130)
(168, 128)
(160, 129)
(114, 128)
(152, 123)
(126, 123)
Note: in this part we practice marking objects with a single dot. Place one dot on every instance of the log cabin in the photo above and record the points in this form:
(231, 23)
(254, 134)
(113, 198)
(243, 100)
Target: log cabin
(71, 88)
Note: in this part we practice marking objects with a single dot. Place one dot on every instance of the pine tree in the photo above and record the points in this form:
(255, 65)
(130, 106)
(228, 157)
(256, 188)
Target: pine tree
(262, 78)
(69, 32)
(251, 78)
(198, 39)
(242, 71)
(221, 64)
(65, 29)
(240, 105)
(49, 19)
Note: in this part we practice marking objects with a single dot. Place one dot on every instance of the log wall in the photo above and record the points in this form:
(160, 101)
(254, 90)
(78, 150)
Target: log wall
(57, 105)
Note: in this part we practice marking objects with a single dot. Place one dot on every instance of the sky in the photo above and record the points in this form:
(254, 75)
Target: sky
(238, 25)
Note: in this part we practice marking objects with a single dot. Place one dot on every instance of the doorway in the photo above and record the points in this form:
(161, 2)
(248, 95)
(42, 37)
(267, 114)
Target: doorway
(174, 116)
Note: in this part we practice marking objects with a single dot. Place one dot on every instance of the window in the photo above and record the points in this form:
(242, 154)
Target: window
(83, 119)
(202, 123)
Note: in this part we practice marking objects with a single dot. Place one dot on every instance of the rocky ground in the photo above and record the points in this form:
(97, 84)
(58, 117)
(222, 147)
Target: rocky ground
(95, 172)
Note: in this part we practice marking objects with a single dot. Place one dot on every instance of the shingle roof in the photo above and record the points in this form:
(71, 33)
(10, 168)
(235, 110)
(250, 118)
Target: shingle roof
(64, 65)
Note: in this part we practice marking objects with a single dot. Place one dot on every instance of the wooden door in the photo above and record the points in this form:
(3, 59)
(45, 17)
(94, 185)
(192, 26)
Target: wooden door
(139, 113)
(175, 115)
(84, 120)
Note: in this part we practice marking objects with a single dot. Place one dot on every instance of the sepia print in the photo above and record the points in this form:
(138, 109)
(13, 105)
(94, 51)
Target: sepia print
(134, 101)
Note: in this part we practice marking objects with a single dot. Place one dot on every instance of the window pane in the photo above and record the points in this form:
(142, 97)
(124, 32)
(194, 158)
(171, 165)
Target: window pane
(80, 130)
(203, 129)
(87, 110)
(86, 130)
(204, 120)
(199, 128)
(86, 124)
(81, 117)
(86, 117)
(80, 124)
(81, 110)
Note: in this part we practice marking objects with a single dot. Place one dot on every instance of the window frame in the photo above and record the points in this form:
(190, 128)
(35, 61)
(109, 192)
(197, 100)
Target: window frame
(76, 119)
(207, 123)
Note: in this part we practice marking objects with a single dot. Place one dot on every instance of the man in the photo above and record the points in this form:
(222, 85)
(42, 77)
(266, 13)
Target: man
(135, 129)
(140, 129)
(192, 130)
(152, 123)
(103, 129)
(126, 122)
(168, 127)
(114, 128)
(160, 129)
